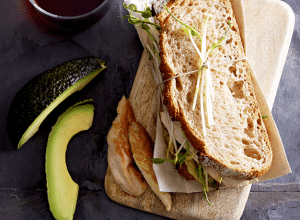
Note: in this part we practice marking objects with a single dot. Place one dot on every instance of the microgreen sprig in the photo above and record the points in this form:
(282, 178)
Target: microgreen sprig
(161, 160)
(144, 24)
(200, 172)
(179, 157)
(218, 44)
(147, 13)
(220, 179)
(186, 27)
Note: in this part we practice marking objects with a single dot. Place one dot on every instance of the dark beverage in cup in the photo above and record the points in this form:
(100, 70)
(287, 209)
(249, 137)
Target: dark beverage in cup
(71, 15)
(68, 7)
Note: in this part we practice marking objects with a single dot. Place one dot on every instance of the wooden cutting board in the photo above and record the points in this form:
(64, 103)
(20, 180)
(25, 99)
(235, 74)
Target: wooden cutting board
(228, 203)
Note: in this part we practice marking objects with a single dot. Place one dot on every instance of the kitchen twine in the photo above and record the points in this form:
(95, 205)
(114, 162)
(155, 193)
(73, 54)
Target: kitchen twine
(207, 65)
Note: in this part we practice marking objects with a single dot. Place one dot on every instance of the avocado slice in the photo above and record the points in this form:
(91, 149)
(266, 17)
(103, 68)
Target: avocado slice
(35, 101)
(62, 190)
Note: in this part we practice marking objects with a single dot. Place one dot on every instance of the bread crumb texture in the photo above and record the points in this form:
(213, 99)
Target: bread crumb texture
(237, 145)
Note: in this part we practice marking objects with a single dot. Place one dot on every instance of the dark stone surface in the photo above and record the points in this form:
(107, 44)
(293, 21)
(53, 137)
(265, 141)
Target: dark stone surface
(28, 47)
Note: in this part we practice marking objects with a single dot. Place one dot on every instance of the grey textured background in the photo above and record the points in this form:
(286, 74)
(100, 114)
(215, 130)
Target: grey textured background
(28, 47)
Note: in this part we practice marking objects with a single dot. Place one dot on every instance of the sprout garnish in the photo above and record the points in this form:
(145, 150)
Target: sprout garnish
(178, 156)
(201, 178)
(147, 13)
(144, 24)
(218, 44)
(193, 30)
(220, 179)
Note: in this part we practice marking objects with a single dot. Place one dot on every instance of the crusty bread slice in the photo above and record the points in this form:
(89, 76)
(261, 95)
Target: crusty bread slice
(119, 156)
(142, 150)
(237, 146)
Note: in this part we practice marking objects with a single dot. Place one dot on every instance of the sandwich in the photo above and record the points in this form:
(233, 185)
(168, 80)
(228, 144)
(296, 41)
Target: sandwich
(211, 124)
(225, 125)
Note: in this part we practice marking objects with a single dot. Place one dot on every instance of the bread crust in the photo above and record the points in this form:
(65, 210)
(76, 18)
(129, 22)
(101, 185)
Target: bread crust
(240, 90)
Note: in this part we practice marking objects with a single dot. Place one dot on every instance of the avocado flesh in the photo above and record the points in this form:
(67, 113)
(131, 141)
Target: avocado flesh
(35, 101)
(191, 167)
(62, 190)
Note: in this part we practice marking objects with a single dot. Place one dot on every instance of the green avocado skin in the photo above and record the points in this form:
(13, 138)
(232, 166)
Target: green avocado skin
(42, 90)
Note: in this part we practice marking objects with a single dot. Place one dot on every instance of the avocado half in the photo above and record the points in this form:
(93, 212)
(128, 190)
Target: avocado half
(62, 190)
(35, 101)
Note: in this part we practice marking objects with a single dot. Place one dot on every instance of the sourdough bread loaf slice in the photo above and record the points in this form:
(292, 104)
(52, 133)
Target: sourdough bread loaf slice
(237, 145)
